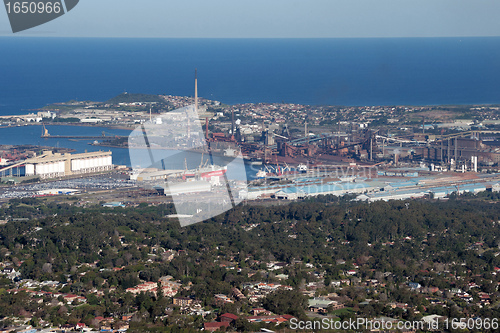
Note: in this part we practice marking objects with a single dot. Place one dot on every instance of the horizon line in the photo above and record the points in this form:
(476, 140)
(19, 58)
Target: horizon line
(208, 38)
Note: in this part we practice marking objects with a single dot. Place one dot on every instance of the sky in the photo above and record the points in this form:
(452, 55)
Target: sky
(271, 19)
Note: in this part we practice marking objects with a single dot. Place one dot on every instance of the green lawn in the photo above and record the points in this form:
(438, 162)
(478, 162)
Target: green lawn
(343, 311)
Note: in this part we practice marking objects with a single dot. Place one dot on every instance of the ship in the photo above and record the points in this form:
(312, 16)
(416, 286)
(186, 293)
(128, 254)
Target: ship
(201, 173)
(205, 172)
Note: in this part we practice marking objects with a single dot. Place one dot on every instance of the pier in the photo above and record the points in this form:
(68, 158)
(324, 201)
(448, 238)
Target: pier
(82, 137)
(46, 135)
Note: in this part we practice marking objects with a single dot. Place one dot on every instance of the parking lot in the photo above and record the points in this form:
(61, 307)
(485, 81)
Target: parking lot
(110, 181)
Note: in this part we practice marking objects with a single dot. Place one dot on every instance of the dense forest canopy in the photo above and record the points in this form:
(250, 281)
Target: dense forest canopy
(310, 231)
(420, 241)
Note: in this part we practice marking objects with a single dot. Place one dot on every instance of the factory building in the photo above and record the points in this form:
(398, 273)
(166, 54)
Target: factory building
(50, 165)
(91, 162)
(188, 188)
(289, 192)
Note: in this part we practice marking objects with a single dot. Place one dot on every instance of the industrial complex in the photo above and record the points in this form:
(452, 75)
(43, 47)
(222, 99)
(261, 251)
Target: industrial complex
(290, 151)
(375, 185)
(299, 158)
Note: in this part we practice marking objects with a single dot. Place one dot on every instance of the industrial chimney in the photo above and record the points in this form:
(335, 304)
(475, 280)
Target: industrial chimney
(232, 124)
(196, 90)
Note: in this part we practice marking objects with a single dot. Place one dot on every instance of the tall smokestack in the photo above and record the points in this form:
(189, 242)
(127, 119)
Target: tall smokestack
(196, 90)
(232, 124)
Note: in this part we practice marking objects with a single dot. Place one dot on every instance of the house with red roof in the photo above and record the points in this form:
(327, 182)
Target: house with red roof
(259, 311)
(70, 298)
(228, 318)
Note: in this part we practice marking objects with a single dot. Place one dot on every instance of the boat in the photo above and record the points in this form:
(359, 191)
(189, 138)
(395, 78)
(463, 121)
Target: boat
(205, 172)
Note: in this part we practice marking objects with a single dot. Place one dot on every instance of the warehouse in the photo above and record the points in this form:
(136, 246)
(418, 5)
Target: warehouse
(50, 165)
(188, 187)
(91, 162)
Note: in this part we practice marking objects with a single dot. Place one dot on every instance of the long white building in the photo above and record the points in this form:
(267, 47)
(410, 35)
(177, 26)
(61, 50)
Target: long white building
(51, 165)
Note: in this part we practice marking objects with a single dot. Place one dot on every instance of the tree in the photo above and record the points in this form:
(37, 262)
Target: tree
(286, 302)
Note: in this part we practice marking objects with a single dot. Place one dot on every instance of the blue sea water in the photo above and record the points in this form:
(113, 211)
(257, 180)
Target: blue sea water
(173, 159)
(32, 135)
(392, 71)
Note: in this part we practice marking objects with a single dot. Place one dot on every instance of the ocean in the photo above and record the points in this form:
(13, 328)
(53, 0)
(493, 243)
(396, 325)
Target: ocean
(32, 135)
(379, 71)
(35, 72)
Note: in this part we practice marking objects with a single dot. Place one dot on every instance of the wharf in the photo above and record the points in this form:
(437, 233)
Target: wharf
(82, 137)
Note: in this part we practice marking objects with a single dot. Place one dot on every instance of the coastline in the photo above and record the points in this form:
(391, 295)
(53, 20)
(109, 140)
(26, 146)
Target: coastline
(110, 126)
